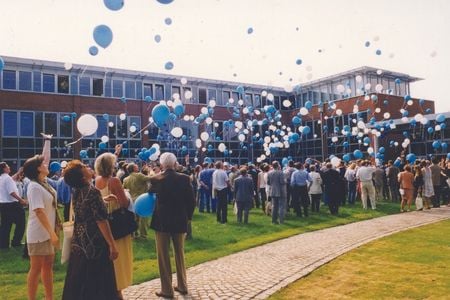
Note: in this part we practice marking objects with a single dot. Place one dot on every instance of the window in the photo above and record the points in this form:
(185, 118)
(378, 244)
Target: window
(63, 84)
(38, 124)
(248, 99)
(74, 84)
(9, 123)
(97, 86)
(24, 81)
(235, 96)
(26, 124)
(257, 101)
(50, 124)
(185, 89)
(130, 89)
(176, 90)
(225, 97)
(117, 88)
(212, 94)
(48, 83)
(108, 88)
(148, 90)
(37, 81)
(159, 92)
(135, 121)
(85, 86)
(65, 128)
(139, 90)
(202, 96)
(276, 102)
(102, 126)
(9, 80)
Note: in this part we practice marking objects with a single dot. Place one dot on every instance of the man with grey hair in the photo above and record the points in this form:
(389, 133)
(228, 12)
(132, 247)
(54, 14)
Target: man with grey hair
(174, 208)
(277, 192)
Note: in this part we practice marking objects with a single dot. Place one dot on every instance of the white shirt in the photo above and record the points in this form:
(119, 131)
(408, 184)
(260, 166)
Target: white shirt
(350, 175)
(365, 173)
(262, 180)
(219, 179)
(316, 184)
(7, 186)
(39, 197)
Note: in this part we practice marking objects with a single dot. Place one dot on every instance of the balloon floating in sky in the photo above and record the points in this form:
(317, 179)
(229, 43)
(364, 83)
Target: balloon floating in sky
(168, 21)
(367, 44)
(298, 61)
(87, 125)
(440, 118)
(250, 30)
(168, 65)
(103, 35)
(160, 114)
(93, 50)
(113, 4)
(157, 38)
(165, 1)
(378, 52)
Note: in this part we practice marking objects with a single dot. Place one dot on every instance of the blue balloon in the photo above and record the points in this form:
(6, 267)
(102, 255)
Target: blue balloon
(411, 158)
(298, 61)
(308, 105)
(106, 117)
(397, 81)
(440, 118)
(407, 97)
(374, 98)
(83, 154)
(295, 137)
(123, 99)
(385, 102)
(367, 44)
(421, 102)
(55, 167)
(240, 89)
(444, 145)
(357, 154)
(443, 125)
(366, 140)
(168, 21)
(93, 50)
(178, 110)
(66, 118)
(103, 35)
(157, 38)
(168, 65)
(165, 1)
(250, 30)
(74, 115)
(102, 145)
(381, 150)
(346, 157)
(160, 114)
(284, 161)
(306, 130)
(148, 99)
(430, 130)
(436, 145)
(296, 120)
(345, 144)
(378, 52)
(428, 111)
(145, 205)
(113, 4)
(2, 64)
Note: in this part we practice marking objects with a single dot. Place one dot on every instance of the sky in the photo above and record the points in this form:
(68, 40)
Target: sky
(210, 39)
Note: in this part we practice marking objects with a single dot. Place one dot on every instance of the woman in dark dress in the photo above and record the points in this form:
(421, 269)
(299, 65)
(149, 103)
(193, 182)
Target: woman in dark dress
(90, 273)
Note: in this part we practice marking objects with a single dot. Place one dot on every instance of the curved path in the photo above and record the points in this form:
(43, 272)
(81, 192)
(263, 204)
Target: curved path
(261, 271)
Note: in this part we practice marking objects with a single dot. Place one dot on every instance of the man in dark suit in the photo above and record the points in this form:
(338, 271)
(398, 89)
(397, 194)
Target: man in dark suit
(333, 187)
(243, 190)
(174, 208)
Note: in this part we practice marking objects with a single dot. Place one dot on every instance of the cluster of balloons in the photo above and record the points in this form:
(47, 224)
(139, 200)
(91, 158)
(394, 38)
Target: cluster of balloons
(150, 154)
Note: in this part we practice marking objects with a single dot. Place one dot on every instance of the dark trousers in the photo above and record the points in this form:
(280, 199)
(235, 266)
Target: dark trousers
(334, 204)
(351, 192)
(11, 213)
(222, 205)
(315, 199)
(289, 200)
(263, 197)
(437, 196)
(66, 211)
(257, 200)
(300, 199)
(393, 189)
(243, 207)
(205, 200)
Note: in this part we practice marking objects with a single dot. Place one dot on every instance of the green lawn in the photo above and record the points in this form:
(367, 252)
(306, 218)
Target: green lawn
(407, 265)
(211, 240)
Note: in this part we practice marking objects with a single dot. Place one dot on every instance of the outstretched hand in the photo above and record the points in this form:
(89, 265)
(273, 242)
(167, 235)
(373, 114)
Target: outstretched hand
(46, 136)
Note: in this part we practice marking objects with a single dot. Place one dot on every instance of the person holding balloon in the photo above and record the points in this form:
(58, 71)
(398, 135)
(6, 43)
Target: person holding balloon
(173, 210)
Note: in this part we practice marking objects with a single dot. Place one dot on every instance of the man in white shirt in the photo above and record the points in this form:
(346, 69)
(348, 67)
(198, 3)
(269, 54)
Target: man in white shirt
(220, 185)
(365, 175)
(11, 209)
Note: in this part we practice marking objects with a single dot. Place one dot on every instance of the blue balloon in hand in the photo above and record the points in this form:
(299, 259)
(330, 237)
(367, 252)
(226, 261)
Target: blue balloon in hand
(103, 35)
(145, 204)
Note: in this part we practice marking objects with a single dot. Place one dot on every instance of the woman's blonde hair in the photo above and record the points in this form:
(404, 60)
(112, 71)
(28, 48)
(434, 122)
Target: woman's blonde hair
(105, 164)
(352, 166)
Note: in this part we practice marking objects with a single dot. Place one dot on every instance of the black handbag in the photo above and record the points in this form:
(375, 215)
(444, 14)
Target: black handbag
(122, 223)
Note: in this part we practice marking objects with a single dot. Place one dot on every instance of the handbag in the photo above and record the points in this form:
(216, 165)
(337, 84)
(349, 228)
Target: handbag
(419, 202)
(68, 234)
(122, 222)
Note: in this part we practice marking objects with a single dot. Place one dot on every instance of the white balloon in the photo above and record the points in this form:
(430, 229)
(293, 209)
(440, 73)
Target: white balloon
(424, 121)
(191, 118)
(186, 117)
(133, 129)
(270, 97)
(264, 93)
(379, 88)
(122, 116)
(238, 124)
(154, 156)
(334, 139)
(267, 139)
(287, 103)
(377, 110)
(231, 100)
(418, 117)
(68, 66)
(222, 147)
(156, 146)
(304, 111)
(204, 110)
(370, 150)
(104, 139)
(111, 124)
(405, 120)
(361, 125)
(339, 112)
(335, 161)
(410, 102)
(340, 88)
(198, 143)
(245, 110)
(209, 120)
(87, 125)
(183, 81)
(367, 86)
(437, 128)
(212, 103)
(188, 95)
(358, 78)
(145, 132)
(386, 115)
(241, 137)
(216, 124)
(177, 132)
(204, 136)
(241, 102)
(288, 88)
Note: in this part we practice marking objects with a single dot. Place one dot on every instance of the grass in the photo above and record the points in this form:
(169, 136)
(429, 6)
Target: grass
(407, 265)
(211, 241)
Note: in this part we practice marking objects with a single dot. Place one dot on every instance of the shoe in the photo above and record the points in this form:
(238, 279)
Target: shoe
(180, 291)
(161, 295)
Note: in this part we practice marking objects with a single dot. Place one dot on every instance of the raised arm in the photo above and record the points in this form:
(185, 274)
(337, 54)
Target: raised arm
(46, 148)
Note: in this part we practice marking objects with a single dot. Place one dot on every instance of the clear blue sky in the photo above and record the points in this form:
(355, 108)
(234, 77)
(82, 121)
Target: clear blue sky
(209, 38)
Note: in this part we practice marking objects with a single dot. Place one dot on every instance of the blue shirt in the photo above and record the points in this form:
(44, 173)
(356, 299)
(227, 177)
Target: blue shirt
(300, 178)
(63, 191)
(206, 177)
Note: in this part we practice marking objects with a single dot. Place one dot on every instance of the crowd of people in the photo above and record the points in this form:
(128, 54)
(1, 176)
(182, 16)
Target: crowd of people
(101, 267)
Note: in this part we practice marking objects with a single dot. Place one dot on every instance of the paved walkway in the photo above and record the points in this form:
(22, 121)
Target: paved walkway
(259, 272)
